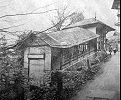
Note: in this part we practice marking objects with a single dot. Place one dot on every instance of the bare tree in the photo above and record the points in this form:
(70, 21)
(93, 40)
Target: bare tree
(77, 16)
(63, 15)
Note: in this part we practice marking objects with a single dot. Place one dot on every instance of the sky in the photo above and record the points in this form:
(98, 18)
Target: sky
(90, 8)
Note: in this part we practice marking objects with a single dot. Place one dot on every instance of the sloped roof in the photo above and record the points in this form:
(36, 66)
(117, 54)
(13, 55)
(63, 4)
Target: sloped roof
(68, 37)
(85, 22)
(61, 39)
(47, 39)
(88, 22)
(116, 4)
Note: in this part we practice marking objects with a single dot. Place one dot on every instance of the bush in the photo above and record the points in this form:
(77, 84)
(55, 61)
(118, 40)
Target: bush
(43, 93)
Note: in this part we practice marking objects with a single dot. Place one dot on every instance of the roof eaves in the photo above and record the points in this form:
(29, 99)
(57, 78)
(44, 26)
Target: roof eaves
(82, 24)
(84, 40)
(110, 28)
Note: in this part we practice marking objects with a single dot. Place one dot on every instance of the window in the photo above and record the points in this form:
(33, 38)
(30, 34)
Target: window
(80, 48)
(86, 46)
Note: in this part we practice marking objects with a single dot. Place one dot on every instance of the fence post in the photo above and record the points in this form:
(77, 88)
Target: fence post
(88, 63)
(57, 78)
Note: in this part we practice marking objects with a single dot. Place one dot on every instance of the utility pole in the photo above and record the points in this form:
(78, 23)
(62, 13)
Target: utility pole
(95, 15)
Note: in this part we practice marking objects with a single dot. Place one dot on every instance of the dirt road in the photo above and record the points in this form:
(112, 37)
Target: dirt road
(109, 80)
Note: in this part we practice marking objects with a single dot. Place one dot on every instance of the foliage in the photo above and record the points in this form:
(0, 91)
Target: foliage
(15, 84)
(11, 79)
(73, 81)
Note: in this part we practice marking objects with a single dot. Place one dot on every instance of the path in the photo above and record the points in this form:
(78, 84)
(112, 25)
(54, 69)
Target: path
(109, 80)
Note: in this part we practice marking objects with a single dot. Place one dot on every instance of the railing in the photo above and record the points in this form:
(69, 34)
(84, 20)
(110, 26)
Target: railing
(77, 58)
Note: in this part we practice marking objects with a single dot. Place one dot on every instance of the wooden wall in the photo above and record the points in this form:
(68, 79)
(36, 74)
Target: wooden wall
(37, 60)
(101, 30)
(55, 58)
(38, 51)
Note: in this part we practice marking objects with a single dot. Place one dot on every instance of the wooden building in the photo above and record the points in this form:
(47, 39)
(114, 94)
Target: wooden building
(97, 27)
(116, 6)
(56, 51)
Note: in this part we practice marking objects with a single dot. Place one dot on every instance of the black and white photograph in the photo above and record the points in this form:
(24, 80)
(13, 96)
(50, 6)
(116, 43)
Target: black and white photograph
(59, 49)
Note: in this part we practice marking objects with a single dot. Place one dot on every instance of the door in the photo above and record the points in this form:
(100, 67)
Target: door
(36, 71)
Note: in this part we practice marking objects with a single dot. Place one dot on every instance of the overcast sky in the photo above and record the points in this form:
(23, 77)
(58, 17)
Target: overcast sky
(42, 21)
